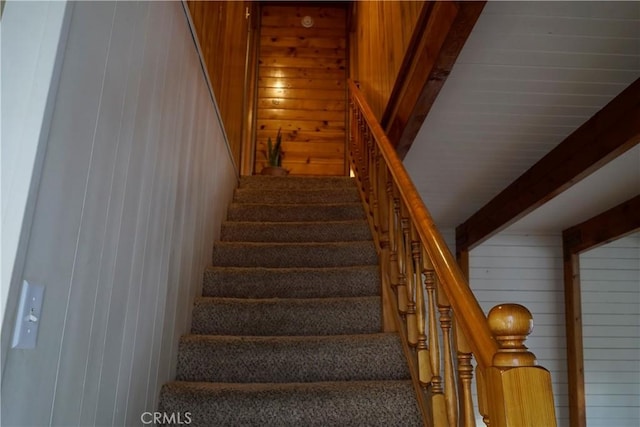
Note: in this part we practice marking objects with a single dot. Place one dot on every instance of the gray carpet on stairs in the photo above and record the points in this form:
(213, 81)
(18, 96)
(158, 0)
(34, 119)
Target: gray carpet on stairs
(287, 331)
(283, 359)
(286, 316)
(303, 282)
(281, 212)
(307, 254)
(318, 404)
(309, 231)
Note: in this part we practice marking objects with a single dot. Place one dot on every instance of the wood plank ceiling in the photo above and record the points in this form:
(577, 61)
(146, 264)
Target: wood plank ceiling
(301, 87)
(529, 75)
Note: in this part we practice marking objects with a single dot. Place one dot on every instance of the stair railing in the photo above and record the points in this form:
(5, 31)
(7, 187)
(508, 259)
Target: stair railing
(427, 298)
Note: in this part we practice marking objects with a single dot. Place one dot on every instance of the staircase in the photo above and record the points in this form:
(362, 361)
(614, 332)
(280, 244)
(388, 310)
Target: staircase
(287, 332)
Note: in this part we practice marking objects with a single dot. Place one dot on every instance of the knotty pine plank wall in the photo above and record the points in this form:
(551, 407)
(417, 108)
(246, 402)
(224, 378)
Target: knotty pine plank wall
(379, 37)
(222, 30)
(302, 87)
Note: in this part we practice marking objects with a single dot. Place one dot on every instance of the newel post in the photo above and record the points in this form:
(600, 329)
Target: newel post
(519, 392)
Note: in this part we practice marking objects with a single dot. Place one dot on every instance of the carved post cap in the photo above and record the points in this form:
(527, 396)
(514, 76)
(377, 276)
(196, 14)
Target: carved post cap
(510, 325)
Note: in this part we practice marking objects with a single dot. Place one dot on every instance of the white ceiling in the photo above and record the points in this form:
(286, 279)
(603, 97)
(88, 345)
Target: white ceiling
(529, 74)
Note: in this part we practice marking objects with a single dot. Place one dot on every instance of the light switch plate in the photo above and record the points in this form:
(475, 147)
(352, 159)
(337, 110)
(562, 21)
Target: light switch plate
(25, 334)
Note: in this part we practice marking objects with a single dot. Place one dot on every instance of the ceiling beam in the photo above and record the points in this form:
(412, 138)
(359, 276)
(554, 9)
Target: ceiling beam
(604, 228)
(609, 133)
(439, 35)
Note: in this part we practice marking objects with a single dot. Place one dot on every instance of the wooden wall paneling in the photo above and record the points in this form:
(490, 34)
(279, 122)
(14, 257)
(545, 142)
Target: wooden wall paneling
(222, 29)
(251, 76)
(439, 36)
(301, 87)
(575, 358)
(380, 37)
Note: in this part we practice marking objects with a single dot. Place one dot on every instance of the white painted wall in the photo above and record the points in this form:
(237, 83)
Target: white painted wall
(610, 284)
(31, 35)
(135, 182)
(527, 269)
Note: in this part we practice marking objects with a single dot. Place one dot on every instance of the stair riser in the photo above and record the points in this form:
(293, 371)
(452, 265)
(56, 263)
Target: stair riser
(296, 183)
(293, 255)
(305, 359)
(271, 213)
(340, 316)
(291, 283)
(250, 195)
(375, 404)
(295, 232)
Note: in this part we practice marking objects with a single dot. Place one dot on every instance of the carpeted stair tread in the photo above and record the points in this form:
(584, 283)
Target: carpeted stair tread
(296, 182)
(239, 359)
(287, 332)
(297, 196)
(268, 317)
(348, 403)
(306, 254)
(283, 212)
(323, 282)
(328, 231)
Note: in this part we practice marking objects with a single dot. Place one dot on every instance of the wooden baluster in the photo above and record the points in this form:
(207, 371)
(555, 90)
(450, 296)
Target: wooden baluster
(410, 279)
(400, 259)
(358, 145)
(521, 392)
(375, 189)
(366, 141)
(388, 322)
(383, 199)
(450, 393)
(430, 280)
(483, 405)
(465, 378)
(369, 156)
(371, 150)
(424, 363)
(350, 134)
(357, 131)
(394, 272)
(438, 399)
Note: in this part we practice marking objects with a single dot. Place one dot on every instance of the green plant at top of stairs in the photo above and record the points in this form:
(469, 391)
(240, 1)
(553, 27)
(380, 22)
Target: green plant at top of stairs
(274, 151)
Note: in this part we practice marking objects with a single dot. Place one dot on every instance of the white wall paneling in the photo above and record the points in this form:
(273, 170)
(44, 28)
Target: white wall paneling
(527, 269)
(33, 37)
(135, 183)
(610, 287)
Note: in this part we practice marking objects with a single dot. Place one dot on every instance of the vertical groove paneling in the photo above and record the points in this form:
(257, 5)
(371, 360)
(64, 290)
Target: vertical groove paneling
(135, 183)
(381, 35)
(301, 88)
(610, 285)
(32, 33)
(527, 269)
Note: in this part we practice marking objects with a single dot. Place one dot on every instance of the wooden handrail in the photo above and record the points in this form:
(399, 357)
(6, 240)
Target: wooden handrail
(442, 321)
(469, 314)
